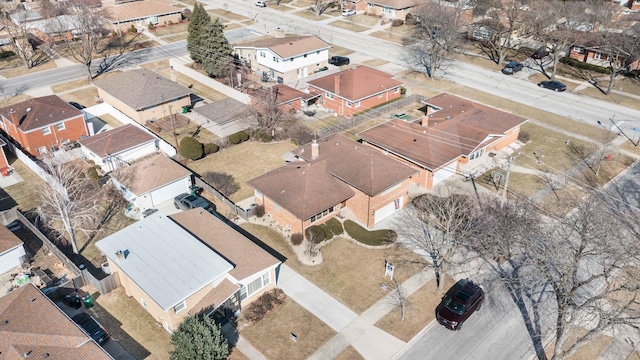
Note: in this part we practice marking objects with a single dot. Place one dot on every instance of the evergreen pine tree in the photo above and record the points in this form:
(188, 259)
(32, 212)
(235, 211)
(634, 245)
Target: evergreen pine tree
(199, 338)
(198, 24)
(219, 53)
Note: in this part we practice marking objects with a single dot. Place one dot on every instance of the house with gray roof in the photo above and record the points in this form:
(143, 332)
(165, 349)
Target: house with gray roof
(118, 147)
(12, 252)
(225, 117)
(188, 263)
(143, 95)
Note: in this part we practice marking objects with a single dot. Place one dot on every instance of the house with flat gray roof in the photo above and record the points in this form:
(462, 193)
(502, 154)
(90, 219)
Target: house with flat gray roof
(143, 95)
(225, 117)
(188, 263)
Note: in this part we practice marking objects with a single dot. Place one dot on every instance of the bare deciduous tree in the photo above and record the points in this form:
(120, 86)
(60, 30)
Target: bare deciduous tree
(436, 34)
(502, 20)
(70, 201)
(270, 116)
(19, 36)
(434, 226)
(320, 6)
(398, 298)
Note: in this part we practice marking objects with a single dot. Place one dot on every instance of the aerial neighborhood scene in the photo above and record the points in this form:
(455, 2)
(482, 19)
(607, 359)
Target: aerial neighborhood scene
(320, 179)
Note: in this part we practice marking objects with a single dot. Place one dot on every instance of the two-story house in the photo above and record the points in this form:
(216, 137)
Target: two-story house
(332, 174)
(284, 58)
(355, 90)
(42, 123)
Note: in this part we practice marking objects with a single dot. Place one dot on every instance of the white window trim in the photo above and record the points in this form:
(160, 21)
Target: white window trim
(60, 126)
(328, 96)
(357, 104)
(144, 304)
(46, 131)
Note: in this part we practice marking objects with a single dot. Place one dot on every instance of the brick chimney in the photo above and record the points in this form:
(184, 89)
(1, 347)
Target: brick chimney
(315, 148)
(338, 80)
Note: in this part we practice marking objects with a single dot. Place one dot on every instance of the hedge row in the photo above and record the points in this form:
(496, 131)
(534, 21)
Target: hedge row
(194, 150)
(238, 137)
(583, 65)
(372, 238)
(322, 232)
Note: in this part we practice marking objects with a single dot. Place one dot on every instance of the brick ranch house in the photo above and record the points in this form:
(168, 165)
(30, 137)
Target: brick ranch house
(332, 174)
(355, 90)
(188, 263)
(454, 134)
(42, 124)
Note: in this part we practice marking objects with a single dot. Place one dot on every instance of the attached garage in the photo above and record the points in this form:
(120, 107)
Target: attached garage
(387, 210)
(444, 173)
(12, 252)
(167, 192)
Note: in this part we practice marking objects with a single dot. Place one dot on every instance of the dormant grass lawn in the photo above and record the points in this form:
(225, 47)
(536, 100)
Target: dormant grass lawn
(130, 325)
(310, 15)
(421, 310)
(244, 162)
(226, 15)
(86, 96)
(14, 67)
(613, 97)
(395, 37)
(70, 85)
(349, 25)
(22, 193)
(343, 262)
(272, 335)
(349, 353)
(171, 29)
(592, 350)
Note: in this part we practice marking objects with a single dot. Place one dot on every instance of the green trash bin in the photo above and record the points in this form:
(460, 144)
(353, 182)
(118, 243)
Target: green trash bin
(185, 109)
(87, 300)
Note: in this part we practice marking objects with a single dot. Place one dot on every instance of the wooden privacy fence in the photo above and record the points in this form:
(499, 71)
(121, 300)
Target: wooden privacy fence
(80, 277)
(233, 208)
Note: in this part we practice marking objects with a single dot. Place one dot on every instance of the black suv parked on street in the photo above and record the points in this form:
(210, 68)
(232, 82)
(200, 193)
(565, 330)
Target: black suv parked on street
(459, 303)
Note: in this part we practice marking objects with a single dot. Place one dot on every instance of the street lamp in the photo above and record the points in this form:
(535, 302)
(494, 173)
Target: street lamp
(620, 130)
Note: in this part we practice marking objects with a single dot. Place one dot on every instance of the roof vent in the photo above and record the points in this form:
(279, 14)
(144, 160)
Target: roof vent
(448, 117)
(32, 300)
(28, 109)
(26, 354)
(120, 254)
(5, 322)
(414, 140)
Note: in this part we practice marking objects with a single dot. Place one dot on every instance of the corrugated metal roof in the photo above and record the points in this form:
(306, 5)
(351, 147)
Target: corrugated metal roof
(164, 260)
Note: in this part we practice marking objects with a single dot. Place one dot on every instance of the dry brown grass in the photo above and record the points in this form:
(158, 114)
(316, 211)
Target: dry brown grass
(10, 100)
(349, 353)
(310, 15)
(338, 50)
(349, 25)
(395, 37)
(343, 262)
(633, 356)
(420, 312)
(244, 162)
(130, 325)
(20, 69)
(271, 335)
(612, 98)
(607, 170)
(86, 96)
(366, 20)
(70, 85)
(110, 120)
(375, 62)
(22, 193)
(226, 15)
(171, 29)
(592, 350)
(197, 87)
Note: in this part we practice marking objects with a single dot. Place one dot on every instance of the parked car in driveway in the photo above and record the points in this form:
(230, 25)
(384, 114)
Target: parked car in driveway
(91, 327)
(261, 4)
(462, 300)
(512, 68)
(539, 54)
(339, 60)
(188, 201)
(348, 12)
(553, 85)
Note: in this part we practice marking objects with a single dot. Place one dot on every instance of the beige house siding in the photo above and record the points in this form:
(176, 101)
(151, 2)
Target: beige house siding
(143, 116)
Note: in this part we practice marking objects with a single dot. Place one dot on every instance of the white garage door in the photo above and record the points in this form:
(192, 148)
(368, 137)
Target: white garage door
(444, 173)
(163, 194)
(386, 211)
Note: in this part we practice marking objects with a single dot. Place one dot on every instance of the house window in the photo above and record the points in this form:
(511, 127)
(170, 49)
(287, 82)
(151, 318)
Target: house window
(322, 214)
(168, 327)
(253, 287)
(481, 34)
(578, 49)
(266, 279)
(257, 194)
(370, 5)
(276, 208)
(349, 104)
(144, 304)
(181, 306)
(275, 59)
(328, 96)
(305, 55)
(600, 56)
(357, 103)
(318, 52)
(386, 10)
(46, 131)
(243, 293)
(396, 90)
(380, 96)
(262, 54)
(60, 126)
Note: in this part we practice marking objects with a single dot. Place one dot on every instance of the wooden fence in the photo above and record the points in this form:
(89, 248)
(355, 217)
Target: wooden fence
(233, 208)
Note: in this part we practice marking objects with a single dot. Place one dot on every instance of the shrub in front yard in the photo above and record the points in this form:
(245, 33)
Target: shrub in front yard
(583, 65)
(314, 234)
(373, 238)
(234, 139)
(397, 22)
(296, 239)
(6, 54)
(222, 182)
(524, 137)
(191, 148)
(335, 225)
(211, 148)
(259, 211)
(300, 134)
(264, 305)
(262, 136)
(328, 234)
(198, 335)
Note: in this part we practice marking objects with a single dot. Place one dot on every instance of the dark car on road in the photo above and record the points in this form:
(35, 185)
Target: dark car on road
(512, 68)
(189, 201)
(459, 303)
(539, 54)
(553, 85)
(339, 60)
(91, 327)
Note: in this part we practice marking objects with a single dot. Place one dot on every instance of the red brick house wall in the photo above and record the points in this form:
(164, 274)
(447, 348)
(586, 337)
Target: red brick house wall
(341, 106)
(32, 140)
(364, 207)
(3, 158)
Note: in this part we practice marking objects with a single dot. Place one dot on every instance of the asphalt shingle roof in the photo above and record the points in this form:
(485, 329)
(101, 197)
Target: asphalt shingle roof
(116, 140)
(149, 174)
(41, 111)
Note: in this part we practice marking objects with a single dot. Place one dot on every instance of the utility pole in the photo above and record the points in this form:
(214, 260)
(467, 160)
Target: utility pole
(173, 128)
(473, 182)
(506, 182)
(620, 130)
